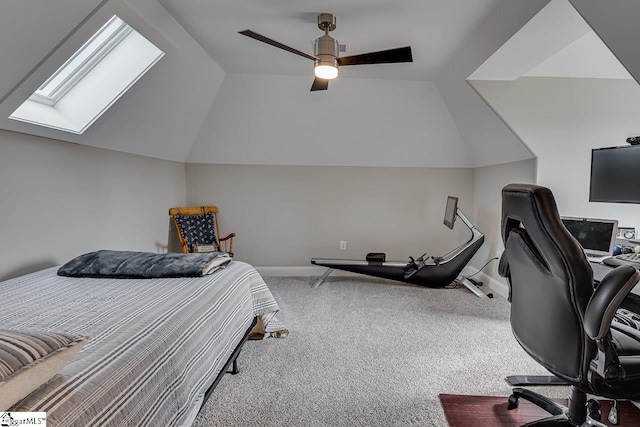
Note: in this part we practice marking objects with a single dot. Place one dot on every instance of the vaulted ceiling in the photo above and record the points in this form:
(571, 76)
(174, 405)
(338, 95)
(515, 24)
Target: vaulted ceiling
(435, 29)
(219, 97)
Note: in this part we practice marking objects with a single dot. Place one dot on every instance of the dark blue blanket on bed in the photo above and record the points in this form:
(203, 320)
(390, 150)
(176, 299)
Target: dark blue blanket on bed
(143, 265)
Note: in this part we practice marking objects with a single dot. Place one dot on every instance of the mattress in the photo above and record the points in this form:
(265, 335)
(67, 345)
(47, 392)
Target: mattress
(155, 345)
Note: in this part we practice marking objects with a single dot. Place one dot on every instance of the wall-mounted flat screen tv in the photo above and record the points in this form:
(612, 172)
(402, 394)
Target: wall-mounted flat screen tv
(615, 175)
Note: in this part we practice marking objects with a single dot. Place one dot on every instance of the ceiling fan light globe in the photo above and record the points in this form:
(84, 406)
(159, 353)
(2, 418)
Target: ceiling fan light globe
(326, 53)
(326, 72)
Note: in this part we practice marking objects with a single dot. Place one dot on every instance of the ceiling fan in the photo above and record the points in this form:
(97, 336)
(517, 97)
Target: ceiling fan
(326, 57)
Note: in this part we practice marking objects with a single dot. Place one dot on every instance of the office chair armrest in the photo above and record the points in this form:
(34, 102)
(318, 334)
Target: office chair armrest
(606, 300)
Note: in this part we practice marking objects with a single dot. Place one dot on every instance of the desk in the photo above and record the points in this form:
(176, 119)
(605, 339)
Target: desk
(599, 270)
(631, 302)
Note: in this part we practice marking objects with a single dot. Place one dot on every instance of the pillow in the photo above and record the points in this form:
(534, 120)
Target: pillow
(30, 359)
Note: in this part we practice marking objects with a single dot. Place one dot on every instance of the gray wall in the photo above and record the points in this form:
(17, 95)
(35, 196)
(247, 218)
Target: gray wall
(60, 200)
(285, 215)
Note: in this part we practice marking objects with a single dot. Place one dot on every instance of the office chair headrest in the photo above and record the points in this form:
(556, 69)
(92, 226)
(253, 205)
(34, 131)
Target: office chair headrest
(534, 208)
(530, 206)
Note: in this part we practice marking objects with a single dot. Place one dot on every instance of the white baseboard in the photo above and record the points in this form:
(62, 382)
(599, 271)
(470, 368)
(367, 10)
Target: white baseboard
(300, 272)
(496, 286)
(319, 270)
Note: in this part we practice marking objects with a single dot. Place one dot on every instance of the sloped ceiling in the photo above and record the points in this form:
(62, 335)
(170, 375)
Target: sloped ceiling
(205, 101)
(434, 29)
(557, 42)
(577, 39)
(273, 119)
(160, 116)
(617, 27)
(43, 26)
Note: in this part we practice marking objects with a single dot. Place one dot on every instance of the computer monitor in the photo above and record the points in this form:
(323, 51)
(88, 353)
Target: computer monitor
(450, 211)
(615, 175)
(596, 236)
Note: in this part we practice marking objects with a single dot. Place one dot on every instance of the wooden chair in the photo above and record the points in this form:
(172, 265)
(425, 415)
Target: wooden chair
(198, 229)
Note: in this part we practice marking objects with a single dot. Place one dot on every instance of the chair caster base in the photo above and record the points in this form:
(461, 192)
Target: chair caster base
(593, 410)
(513, 402)
(560, 415)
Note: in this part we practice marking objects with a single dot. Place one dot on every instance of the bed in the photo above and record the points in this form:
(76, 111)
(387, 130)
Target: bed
(154, 346)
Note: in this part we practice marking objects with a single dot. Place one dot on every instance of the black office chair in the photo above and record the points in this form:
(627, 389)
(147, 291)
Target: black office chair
(556, 315)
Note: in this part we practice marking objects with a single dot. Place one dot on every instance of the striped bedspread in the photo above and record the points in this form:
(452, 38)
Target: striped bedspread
(155, 345)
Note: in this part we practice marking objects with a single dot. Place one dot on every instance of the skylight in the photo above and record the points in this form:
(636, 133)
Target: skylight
(89, 82)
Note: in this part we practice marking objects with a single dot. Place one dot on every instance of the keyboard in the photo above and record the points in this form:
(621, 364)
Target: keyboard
(632, 259)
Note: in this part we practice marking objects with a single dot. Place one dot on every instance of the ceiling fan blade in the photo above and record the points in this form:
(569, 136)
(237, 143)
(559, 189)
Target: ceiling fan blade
(401, 54)
(267, 40)
(319, 84)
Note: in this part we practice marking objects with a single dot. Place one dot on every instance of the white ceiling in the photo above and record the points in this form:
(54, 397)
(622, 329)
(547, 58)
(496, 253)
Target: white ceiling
(164, 114)
(434, 29)
(557, 42)
(587, 57)
(160, 116)
(169, 112)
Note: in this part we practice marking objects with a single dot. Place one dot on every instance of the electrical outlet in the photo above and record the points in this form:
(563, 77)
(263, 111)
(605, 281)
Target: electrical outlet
(343, 245)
